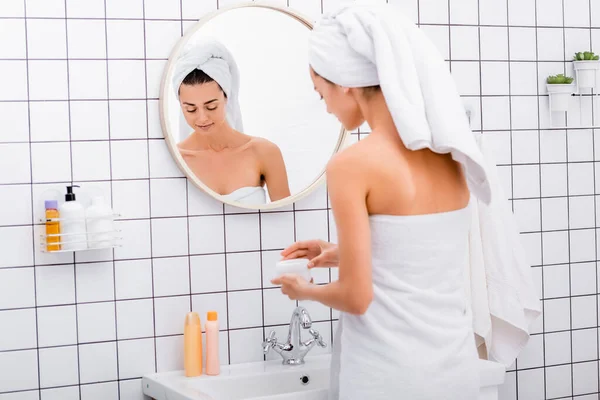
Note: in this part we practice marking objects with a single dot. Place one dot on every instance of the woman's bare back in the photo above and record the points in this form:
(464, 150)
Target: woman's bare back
(405, 182)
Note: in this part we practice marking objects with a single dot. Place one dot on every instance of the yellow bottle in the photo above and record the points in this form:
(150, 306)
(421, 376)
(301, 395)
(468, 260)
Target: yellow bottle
(192, 343)
(52, 226)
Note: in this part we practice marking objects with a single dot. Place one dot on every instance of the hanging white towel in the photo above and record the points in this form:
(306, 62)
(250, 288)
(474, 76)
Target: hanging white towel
(504, 299)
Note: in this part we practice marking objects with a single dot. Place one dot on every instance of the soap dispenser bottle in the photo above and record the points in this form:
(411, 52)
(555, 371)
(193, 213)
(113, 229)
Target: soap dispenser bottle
(72, 227)
(100, 224)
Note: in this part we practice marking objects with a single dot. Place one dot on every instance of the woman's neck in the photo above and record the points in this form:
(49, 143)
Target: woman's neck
(377, 115)
(218, 140)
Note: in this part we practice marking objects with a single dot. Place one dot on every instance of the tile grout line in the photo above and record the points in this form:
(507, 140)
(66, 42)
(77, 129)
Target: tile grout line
(511, 143)
(157, 139)
(568, 212)
(133, 379)
(35, 295)
(195, 20)
(328, 208)
(110, 163)
(595, 217)
(187, 204)
(282, 324)
(262, 283)
(537, 68)
(72, 183)
(226, 284)
(149, 190)
(480, 64)
(172, 296)
(255, 289)
(170, 335)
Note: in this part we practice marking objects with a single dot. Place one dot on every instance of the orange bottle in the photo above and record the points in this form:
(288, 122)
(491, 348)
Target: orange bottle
(52, 226)
(212, 344)
(192, 345)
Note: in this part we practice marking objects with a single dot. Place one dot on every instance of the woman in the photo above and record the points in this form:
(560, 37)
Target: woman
(400, 201)
(233, 164)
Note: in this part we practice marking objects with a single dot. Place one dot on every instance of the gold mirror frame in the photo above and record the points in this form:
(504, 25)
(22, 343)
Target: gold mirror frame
(164, 112)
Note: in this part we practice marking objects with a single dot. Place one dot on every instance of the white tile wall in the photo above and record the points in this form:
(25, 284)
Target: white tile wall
(79, 103)
(57, 326)
(98, 362)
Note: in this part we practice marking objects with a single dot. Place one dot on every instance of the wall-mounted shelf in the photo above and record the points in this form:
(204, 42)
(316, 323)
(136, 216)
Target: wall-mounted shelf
(94, 240)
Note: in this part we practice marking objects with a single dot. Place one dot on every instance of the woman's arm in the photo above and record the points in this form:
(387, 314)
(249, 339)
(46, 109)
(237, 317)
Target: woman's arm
(273, 169)
(353, 291)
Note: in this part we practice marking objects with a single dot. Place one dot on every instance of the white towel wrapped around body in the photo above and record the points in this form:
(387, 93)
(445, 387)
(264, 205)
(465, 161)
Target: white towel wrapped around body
(216, 61)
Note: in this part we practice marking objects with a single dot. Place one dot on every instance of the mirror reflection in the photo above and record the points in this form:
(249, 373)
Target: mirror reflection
(239, 111)
(227, 160)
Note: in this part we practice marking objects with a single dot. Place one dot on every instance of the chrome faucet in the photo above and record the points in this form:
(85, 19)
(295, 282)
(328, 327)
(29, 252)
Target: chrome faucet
(294, 350)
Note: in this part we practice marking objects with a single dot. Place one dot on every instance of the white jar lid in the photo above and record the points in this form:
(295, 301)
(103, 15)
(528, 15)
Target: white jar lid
(300, 262)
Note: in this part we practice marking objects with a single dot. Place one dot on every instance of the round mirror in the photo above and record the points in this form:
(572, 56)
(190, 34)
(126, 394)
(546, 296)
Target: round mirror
(239, 111)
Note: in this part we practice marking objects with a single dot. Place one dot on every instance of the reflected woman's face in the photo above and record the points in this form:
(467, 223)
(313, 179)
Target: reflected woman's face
(203, 105)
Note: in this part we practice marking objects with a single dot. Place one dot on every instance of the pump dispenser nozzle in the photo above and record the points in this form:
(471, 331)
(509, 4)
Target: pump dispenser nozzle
(70, 196)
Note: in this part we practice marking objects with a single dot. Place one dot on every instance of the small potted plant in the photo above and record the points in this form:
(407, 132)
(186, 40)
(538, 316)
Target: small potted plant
(586, 64)
(560, 89)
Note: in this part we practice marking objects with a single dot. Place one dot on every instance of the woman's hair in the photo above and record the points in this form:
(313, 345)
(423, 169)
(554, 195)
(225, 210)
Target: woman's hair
(367, 90)
(198, 77)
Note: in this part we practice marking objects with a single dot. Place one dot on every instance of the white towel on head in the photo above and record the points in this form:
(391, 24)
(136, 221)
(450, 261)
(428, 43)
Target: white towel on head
(367, 45)
(216, 61)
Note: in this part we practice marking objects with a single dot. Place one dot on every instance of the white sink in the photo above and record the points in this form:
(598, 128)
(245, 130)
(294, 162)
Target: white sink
(268, 380)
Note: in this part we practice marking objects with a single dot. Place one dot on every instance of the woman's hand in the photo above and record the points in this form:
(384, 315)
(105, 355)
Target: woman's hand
(318, 252)
(294, 286)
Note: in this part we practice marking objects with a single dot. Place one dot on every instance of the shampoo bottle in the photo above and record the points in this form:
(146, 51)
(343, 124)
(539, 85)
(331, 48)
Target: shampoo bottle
(192, 345)
(100, 224)
(52, 226)
(212, 344)
(72, 228)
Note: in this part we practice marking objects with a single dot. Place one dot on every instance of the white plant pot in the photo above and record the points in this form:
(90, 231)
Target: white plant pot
(586, 73)
(560, 96)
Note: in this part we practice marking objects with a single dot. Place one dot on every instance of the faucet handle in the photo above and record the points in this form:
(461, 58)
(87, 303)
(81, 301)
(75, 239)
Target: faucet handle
(269, 342)
(318, 337)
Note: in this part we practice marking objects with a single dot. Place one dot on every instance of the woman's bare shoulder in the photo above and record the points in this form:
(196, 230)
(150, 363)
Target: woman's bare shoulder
(357, 155)
(187, 144)
(261, 142)
(351, 162)
(264, 147)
